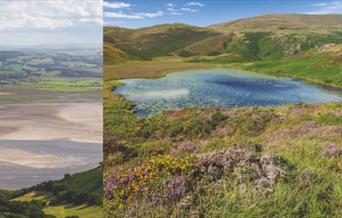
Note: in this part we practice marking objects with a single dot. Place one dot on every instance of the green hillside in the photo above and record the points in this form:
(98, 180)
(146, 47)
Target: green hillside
(113, 55)
(281, 44)
(78, 195)
(282, 161)
(84, 187)
(282, 23)
(160, 40)
(283, 34)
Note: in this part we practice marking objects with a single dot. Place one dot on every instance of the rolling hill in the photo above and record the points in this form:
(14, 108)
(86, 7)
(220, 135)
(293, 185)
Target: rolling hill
(269, 36)
(77, 195)
(282, 161)
(155, 41)
(281, 44)
(282, 22)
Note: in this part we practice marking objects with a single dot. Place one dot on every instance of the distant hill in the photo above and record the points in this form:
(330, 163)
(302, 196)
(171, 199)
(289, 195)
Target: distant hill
(282, 22)
(266, 37)
(155, 41)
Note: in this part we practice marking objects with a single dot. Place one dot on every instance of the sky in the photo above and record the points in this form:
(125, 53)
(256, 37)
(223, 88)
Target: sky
(35, 23)
(140, 13)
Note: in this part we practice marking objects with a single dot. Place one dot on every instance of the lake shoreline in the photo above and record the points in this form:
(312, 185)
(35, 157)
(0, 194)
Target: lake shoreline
(245, 89)
(212, 66)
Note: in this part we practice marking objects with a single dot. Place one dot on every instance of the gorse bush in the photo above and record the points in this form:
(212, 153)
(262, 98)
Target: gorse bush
(251, 162)
(167, 180)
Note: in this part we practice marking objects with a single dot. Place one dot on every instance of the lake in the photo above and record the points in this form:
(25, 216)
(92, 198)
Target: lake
(222, 87)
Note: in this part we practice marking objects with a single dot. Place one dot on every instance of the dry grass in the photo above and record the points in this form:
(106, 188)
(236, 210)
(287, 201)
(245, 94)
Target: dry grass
(149, 69)
(283, 23)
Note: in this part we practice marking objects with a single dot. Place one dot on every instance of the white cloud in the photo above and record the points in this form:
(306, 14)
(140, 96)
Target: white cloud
(334, 7)
(171, 5)
(176, 13)
(194, 4)
(150, 15)
(172, 8)
(189, 9)
(140, 15)
(35, 14)
(121, 15)
(116, 5)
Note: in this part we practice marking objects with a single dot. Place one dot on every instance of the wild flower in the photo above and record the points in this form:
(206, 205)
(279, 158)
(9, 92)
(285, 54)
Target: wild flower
(177, 188)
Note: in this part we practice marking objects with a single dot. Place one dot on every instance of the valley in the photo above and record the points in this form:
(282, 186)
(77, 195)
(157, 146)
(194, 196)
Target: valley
(223, 160)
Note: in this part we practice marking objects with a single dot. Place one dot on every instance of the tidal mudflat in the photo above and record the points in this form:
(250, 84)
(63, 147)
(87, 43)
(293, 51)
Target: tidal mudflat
(24, 163)
(43, 141)
(220, 88)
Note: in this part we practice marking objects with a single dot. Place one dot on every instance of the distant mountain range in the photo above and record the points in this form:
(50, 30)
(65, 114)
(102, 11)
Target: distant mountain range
(267, 37)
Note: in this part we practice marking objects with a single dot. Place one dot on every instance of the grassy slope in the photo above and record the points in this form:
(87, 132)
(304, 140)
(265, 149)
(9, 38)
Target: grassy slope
(89, 182)
(283, 44)
(318, 68)
(149, 69)
(113, 55)
(160, 40)
(152, 164)
(62, 210)
(167, 144)
(82, 211)
(282, 22)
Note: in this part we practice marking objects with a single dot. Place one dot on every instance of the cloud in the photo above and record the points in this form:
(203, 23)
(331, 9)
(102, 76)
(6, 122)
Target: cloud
(140, 15)
(121, 15)
(189, 9)
(172, 9)
(175, 13)
(333, 7)
(171, 5)
(151, 15)
(116, 5)
(194, 4)
(36, 14)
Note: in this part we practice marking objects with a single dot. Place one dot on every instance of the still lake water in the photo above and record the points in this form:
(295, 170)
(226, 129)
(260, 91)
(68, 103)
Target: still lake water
(220, 88)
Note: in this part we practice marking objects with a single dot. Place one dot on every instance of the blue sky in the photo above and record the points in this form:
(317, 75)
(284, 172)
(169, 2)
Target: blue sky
(34, 23)
(140, 13)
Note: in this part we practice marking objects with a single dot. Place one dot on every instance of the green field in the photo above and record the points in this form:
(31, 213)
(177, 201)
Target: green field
(323, 68)
(39, 196)
(63, 210)
(68, 85)
(33, 76)
(82, 211)
(79, 195)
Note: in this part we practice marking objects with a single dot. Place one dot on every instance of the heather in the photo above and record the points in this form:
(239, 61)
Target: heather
(253, 161)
